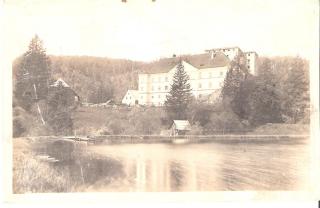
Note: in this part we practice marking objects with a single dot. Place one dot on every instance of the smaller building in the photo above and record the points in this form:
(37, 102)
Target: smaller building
(131, 98)
(62, 92)
(180, 127)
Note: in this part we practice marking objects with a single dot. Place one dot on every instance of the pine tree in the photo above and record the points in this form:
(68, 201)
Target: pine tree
(265, 99)
(233, 86)
(180, 95)
(296, 96)
(33, 74)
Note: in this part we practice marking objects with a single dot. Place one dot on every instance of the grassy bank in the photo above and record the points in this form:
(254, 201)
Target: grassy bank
(281, 129)
(148, 121)
(31, 174)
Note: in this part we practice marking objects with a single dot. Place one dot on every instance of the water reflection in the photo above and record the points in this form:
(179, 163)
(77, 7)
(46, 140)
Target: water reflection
(193, 167)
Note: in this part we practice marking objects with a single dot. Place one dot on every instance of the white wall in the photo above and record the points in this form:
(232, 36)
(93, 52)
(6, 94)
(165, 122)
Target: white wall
(252, 62)
(202, 82)
(130, 97)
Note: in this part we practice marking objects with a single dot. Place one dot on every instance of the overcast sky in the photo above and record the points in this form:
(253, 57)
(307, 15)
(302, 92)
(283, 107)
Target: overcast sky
(146, 30)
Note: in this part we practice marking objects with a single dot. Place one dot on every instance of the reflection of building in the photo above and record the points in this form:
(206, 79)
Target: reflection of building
(161, 174)
(206, 72)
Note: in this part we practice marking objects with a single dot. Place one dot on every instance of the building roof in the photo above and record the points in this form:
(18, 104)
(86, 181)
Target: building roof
(200, 61)
(65, 86)
(182, 124)
(225, 48)
(59, 82)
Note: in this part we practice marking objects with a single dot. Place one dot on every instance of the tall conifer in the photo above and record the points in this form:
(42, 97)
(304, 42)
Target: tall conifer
(180, 95)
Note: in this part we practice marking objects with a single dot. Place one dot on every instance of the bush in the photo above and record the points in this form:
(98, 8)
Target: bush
(22, 122)
(223, 122)
(196, 129)
(18, 127)
(117, 126)
(200, 113)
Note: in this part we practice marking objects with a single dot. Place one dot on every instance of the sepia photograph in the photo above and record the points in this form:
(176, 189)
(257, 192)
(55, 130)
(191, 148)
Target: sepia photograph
(160, 96)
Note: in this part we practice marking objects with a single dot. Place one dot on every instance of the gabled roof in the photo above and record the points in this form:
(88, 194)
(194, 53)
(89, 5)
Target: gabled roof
(132, 92)
(182, 124)
(59, 82)
(199, 61)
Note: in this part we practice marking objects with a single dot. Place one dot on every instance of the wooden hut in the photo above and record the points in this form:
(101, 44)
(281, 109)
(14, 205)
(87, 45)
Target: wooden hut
(180, 127)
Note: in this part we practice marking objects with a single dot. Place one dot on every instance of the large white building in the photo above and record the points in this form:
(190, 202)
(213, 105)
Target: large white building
(206, 72)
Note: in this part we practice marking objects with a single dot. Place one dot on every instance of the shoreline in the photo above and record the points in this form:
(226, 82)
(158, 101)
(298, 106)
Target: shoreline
(148, 139)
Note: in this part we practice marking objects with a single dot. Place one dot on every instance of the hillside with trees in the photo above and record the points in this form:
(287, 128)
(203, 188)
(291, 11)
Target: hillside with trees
(279, 93)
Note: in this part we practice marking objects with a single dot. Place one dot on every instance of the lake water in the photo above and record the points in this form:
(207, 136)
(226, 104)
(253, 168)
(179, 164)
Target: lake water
(190, 167)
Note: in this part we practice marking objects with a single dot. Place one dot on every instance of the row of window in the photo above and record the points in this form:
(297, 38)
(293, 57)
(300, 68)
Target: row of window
(160, 79)
(166, 88)
(153, 97)
(201, 75)
(159, 88)
(153, 88)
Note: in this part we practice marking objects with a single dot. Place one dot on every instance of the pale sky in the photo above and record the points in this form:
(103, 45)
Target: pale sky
(146, 30)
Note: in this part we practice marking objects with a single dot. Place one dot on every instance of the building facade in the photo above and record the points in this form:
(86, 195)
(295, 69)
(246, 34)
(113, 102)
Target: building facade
(131, 98)
(206, 73)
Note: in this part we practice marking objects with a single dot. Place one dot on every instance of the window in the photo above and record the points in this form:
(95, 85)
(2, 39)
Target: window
(152, 96)
(248, 66)
(210, 74)
(141, 88)
(159, 79)
(152, 79)
(159, 88)
(199, 85)
(248, 54)
(221, 73)
(152, 88)
(200, 74)
(166, 79)
(166, 87)
(141, 97)
(159, 96)
(210, 84)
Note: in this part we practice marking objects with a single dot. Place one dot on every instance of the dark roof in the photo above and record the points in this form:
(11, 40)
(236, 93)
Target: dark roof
(200, 61)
